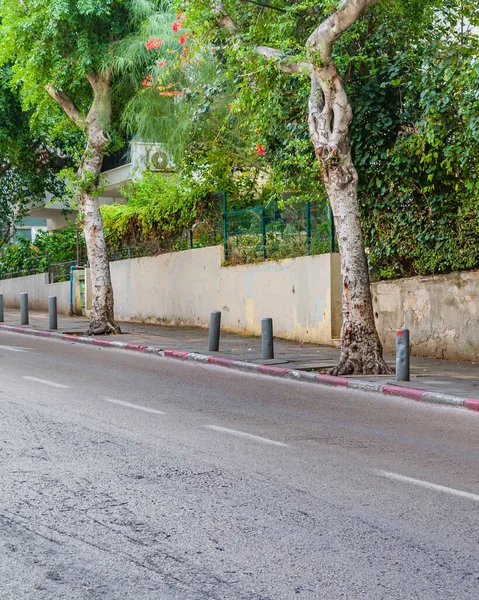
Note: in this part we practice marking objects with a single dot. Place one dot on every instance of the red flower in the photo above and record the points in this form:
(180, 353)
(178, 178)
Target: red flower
(153, 43)
(185, 51)
(147, 82)
(182, 39)
(161, 63)
(176, 25)
(179, 16)
(261, 151)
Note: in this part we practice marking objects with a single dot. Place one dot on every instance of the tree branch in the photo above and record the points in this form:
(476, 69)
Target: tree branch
(330, 30)
(67, 104)
(225, 21)
(302, 67)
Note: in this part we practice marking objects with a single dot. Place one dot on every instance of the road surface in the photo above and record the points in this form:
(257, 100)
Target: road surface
(128, 476)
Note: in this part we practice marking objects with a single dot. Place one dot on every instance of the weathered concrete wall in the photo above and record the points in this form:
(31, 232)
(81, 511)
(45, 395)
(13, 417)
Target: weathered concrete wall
(302, 295)
(38, 290)
(441, 312)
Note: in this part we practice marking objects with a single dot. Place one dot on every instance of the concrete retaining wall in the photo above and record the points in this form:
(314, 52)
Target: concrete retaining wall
(302, 295)
(38, 290)
(441, 312)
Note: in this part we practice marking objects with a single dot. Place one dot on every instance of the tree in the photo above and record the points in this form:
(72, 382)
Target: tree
(63, 51)
(320, 26)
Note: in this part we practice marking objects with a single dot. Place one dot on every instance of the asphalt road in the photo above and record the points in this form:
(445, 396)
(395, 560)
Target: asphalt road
(128, 476)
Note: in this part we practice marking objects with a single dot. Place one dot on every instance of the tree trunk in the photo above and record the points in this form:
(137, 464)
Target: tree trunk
(329, 118)
(102, 316)
(95, 125)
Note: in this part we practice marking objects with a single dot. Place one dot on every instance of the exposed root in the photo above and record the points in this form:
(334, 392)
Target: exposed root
(361, 360)
(103, 328)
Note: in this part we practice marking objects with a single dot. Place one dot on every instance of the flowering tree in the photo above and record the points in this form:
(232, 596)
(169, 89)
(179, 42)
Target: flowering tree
(245, 28)
(62, 51)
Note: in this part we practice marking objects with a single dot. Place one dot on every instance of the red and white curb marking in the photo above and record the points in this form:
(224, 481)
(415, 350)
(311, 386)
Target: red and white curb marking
(357, 384)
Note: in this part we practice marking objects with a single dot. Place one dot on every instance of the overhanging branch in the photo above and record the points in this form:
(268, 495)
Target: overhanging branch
(331, 29)
(67, 104)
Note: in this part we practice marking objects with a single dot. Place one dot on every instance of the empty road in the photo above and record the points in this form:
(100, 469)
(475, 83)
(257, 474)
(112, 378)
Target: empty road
(128, 476)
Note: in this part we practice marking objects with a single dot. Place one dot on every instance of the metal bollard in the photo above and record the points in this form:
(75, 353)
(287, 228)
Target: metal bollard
(214, 336)
(2, 317)
(52, 312)
(402, 354)
(267, 338)
(24, 308)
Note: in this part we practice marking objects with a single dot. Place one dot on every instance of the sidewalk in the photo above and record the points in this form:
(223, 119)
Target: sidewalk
(437, 377)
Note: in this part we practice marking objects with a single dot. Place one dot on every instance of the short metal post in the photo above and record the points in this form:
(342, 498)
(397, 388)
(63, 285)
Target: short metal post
(402, 354)
(214, 337)
(2, 318)
(267, 338)
(52, 312)
(24, 308)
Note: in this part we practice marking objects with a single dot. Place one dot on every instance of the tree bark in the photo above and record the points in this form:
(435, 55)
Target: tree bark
(102, 318)
(330, 115)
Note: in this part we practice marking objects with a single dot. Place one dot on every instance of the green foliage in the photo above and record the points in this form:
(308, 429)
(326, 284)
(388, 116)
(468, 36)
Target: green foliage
(28, 165)
(158, 207)
(412, 76)
(416, 142)
(25, 257)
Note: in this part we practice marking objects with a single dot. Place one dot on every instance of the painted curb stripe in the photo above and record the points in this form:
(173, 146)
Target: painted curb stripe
(389, 390)
(472, 405)
(269, 370)
(396, 390)
(221, 362)
(332, 380)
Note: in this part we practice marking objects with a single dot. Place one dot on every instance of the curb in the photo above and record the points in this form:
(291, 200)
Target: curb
(330, 380)
(282, 372)
(78, 339)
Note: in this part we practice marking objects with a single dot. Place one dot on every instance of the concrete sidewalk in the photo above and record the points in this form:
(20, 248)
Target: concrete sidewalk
(450, 378)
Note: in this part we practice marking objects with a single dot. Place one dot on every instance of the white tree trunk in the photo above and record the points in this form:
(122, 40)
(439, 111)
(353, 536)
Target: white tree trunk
(329, 118)
(102, 317)
(95, 124)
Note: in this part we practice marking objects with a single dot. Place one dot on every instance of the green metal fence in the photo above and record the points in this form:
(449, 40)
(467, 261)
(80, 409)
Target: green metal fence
(277, 231)
(58, 271)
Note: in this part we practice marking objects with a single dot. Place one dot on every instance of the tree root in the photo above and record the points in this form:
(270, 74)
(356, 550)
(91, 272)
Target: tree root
(361, 359)
(103, 328)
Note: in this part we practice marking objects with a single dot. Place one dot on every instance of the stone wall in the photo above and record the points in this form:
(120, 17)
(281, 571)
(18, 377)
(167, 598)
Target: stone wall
(440, 311)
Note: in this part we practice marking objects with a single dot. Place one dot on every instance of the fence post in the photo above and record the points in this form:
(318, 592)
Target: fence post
(331, 230)
(214, 336)
(402, 354)
(24, 308)
(308, 228)
(52, 312)
(267, 338)
(263, 231)
(225, 226)
(191, 239)
(1, 309)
